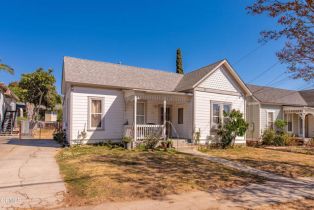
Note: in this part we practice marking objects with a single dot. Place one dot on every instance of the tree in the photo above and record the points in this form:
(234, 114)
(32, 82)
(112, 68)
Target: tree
(17, 90)
(295, 19)
(179, 62)
(6, 68)
(40, 90)
(233, 126)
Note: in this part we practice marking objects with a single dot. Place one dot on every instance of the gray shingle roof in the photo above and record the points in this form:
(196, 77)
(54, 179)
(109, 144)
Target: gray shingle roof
(308, 96)
(191, 78)
(117, 75)
(277, 96)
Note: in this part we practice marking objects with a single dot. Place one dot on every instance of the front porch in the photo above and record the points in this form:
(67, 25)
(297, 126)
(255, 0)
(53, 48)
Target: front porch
(300, 121)
(166, 114)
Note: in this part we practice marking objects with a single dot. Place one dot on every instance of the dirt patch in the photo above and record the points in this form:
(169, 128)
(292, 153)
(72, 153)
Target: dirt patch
(98, 174)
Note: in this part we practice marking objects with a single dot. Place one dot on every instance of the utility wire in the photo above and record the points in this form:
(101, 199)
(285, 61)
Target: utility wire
(249, 53)
(264, 72)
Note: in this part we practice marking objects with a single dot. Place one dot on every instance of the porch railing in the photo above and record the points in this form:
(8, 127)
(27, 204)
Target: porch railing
(143, 130)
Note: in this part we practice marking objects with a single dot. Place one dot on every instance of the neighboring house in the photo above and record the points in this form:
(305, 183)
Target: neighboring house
(268, 104)
(7, 109)
(105, 101)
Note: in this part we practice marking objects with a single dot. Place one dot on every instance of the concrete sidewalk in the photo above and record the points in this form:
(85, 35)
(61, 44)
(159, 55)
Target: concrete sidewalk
(29, 174)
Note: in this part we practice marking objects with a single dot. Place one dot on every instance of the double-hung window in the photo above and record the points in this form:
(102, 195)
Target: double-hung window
(95, 113)
(140, 115)
(289, 118)
(270, 120)
(218, 110)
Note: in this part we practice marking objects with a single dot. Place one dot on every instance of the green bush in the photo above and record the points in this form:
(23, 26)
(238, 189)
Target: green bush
(268, 137)
(60, 136)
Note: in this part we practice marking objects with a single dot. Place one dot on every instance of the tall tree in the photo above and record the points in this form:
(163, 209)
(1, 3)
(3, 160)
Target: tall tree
(295, 19)
(179, 62)
(17, 90)
(39, 89)
(5, 67)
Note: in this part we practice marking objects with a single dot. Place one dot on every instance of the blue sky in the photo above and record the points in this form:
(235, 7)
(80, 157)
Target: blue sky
(146, 33)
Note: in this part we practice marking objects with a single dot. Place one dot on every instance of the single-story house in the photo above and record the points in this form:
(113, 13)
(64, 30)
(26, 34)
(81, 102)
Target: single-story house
(268, 104)
(106, 101)
(7, 109)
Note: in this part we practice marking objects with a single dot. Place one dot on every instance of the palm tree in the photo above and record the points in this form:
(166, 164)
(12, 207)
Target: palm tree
(4, 67)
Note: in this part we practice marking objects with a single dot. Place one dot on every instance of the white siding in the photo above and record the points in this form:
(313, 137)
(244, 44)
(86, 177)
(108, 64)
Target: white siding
(311, 126)
(253, 118)
(220, 80)
(269, 108)
(2, 107)
(203, 111)
(114, 108)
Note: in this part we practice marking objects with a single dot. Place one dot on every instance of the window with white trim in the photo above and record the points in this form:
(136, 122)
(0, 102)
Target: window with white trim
(95, 113)
(140, 114)
(218, 109)
(270, 120)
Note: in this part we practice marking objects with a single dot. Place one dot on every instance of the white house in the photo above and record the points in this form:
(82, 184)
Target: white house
(105, 101)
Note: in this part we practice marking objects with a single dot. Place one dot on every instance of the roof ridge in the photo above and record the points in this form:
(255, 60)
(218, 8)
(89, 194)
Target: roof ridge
(123, 65)
(263, 86)
(215, 63)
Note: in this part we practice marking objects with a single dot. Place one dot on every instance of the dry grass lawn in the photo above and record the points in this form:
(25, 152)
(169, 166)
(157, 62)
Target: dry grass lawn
(94, 174)
(286, 163)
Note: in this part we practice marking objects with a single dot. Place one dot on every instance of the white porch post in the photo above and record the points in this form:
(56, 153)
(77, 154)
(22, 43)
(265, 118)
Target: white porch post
(135, 123)
(164, 123)
(302, 115)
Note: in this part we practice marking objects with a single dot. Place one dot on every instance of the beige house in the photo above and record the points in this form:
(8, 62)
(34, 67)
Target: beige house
(106, 101)
(268, 104)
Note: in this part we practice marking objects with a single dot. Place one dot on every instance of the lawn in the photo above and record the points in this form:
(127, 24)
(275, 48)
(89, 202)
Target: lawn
(95, 174)
(288, 163)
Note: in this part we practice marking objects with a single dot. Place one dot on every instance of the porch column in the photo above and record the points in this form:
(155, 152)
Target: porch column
(135, 123)
(164, 123)
(303, 124)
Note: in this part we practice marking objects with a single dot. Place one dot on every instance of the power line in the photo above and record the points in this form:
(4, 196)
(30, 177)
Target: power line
(249, 53)
(264, 72)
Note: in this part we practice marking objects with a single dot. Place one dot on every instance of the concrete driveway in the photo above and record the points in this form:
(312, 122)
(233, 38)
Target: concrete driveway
(29, 174)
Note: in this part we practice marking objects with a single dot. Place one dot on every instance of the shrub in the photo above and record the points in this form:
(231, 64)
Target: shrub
(151, 141)
(166, 144)
(280, 125)
(233, 127)
(60, 136)
(268, 137)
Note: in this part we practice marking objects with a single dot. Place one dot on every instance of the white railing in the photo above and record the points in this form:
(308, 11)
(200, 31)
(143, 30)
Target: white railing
(143, 130)
(146, 130)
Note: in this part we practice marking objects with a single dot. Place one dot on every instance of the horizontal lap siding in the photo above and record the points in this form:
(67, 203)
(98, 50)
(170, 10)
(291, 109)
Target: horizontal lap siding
(219, 80)
(264, 109)
(113, 113)
(202, 111)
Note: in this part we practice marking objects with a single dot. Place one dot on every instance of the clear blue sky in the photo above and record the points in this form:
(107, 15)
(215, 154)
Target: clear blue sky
(142, 33)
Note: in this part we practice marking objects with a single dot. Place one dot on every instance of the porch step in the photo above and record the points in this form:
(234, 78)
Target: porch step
(181, 143)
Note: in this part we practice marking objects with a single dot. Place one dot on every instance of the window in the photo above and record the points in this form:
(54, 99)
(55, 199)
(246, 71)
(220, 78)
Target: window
(289, 118)
(270, 120)
(218, 109)
(140, 115)
(95, 113)
(180, 116)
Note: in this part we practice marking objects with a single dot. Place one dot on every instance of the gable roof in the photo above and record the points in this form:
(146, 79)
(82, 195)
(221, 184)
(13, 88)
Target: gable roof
(80, 71)
(279, 96)
(191, 78)
(308, 96)
(119, 76)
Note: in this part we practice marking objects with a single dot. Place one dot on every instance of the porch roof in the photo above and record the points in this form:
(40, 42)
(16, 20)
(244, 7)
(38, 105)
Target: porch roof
(298, 110)
(153, 95)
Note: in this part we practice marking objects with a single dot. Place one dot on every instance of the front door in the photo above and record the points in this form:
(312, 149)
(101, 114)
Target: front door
(168, 119)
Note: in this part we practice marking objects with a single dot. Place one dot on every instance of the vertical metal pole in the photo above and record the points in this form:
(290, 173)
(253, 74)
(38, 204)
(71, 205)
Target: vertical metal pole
(164, 129)
(135, 123)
